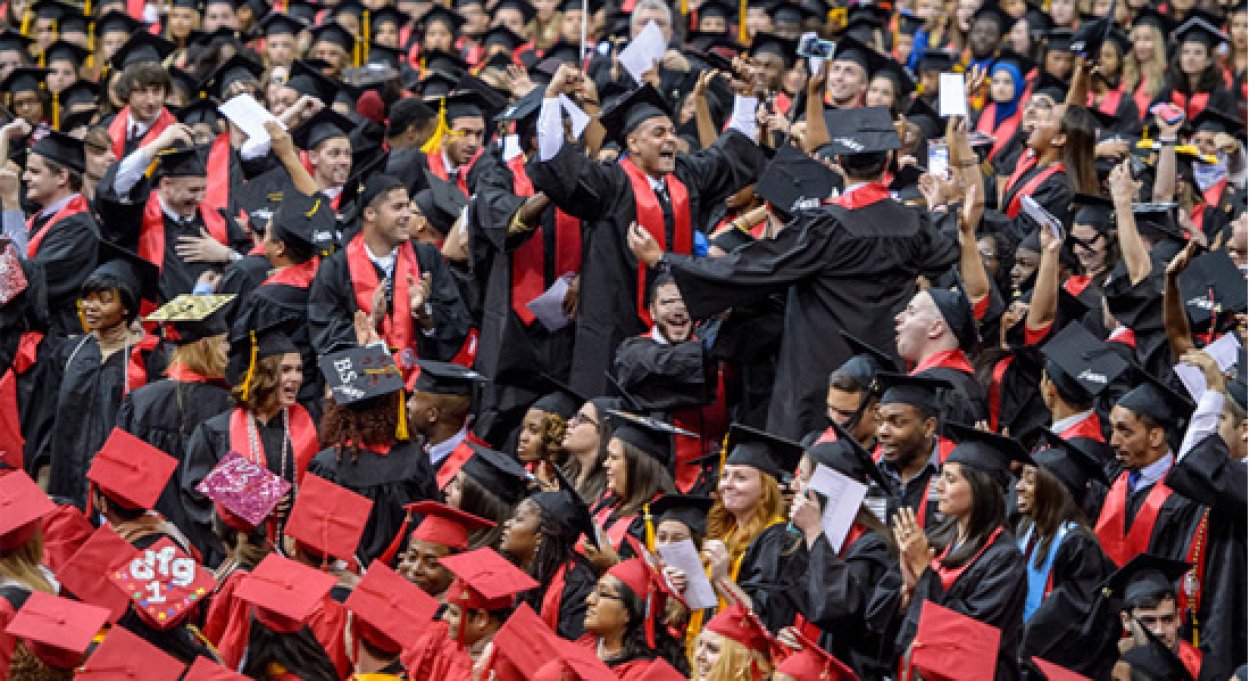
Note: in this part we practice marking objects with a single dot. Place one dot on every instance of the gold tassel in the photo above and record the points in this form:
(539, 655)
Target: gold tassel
(251, 368)
(90, 44)
(364, 52)
(82, 318)
(401, 426)
(86, 8)
(742, 22)
(27, 17)
(436, 140)
(56, 111)
(649, 525)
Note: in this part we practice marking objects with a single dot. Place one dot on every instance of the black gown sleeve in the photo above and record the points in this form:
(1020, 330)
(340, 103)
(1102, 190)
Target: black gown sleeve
(774, 562)
(579, 186)
(578, 583)
(662, 376)
(729, 164)
(332, 306)
(68, 255)
(451, 317)
(121, 214)
(1207, 475)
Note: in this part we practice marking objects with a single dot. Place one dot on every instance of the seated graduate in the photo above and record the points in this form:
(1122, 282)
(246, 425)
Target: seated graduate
(21, 552)
(585, 445)
(419, 549)
(279, 642)
(387, 615)
(746, 646)
(638, 454)
(489, 485)
(126, 478)
(624, 619)
(1146, 589)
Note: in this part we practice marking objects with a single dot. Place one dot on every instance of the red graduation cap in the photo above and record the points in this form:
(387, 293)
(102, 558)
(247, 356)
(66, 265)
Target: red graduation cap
(577, 662)
(445, 525)
(522, 645)
(131, 471)
(739, 624)
(164, 583)
(124, 656)
(65, 530)
(389, 611)
(660, 670)
(328, 519)
(22, 506)
(485, 580)
(57, 630)
(1054, 672)
(813, 663)
(285, 593)
(955, 647)
(204, 669)
(86, 573)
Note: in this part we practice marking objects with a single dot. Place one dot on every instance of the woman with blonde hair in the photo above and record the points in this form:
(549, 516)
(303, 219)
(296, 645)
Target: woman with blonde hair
(1146, 62)
(745, 647)
(21, 564)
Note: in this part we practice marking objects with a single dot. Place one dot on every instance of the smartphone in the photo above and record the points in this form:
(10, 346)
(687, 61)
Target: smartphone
(813, 47)
(1170, 113)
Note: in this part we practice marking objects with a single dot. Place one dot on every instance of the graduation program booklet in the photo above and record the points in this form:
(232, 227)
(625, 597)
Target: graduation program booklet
(684, 556)
(644, 51)
(549, 307)
(843, 497)
(250, 116)
(1042, 217)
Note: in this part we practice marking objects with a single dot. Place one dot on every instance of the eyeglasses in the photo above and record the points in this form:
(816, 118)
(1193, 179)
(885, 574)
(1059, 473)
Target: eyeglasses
(577, 419)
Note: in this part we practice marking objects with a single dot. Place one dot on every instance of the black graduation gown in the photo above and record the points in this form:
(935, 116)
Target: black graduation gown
(602, 196)
(123, 223)
(834, 596)
(851, 270)
(663, 375)
(88, 400)
(241, 277)
(1173, 529)
(164, 414)
(771, 568)
(1085, 643)
(1140, 308)
(274, 303)
(411, 166)
(1206, 473)
(1221, 99)
(965, 403)
(510, 353)
(1053, 194)
(67, 254)
(332, 306)
(36, 398)
(401, 476)
(579, 581)
(992, 590)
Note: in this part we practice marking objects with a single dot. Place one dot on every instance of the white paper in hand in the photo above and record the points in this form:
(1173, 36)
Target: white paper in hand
(843, 497)
(644, 51)
(685, 557)
(249, 116)
(578, 118)
(1224, 351)
(1191, 376)
(1042, 217)
(952, 101)
(549, 307)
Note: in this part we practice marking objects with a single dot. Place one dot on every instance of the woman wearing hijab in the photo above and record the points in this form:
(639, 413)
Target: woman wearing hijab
(1001, 117)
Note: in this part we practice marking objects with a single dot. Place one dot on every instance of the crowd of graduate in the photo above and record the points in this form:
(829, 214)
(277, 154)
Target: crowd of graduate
(560, 340)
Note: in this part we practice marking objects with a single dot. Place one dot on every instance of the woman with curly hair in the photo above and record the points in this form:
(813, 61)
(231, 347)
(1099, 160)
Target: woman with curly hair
(539, 442)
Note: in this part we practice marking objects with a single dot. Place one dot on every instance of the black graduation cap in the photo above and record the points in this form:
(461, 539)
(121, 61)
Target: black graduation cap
(866, 360)
(303, 10)
(325, 124)
(776, 456)
(441, 203)
(131, 272)
(443, 15)
(937, 60)
(24, 79)
(73, 120)
(1081, 366)
(251, 340)
(497, 472)
(141, 47)
(564, 52)
(278, 23)
(632, 110)
(909, 23)
(361, 373)
(182, 162)
(198, 111)
(1198, 29)
(793, 181)
(1095, 211)
(299, 218)
(861, 130)
(701, 43)
(445, 378)
(1155, 661)
(235, 69)
(990, 10)
(568, 513)
(712, 8)
(333, 32)
(1022, 63)
(51, 9)
(196, 5)
(81, 92)
(905, 85)
(1039, 21)
(444, 62)
(502, 35)
(688, 510)
(1214, 120)
(193, 317)
(181, 81)
(1212, 287)
(1052, 87)
(846, 456)
(387, 56)
(775, 44)
(1067, 460)
(563, 400)
(387, 15)
(61, 149)
(472, 92)
(1153, 398)
(790, 13)
(1151, 17)
(1144, 576)
(926, 118)
(352, 7)
(1059, 40)
(63, 50)
(524, 109)
(435, 85)
(525, 8)
(651, 435)
(862, 25)
(920, 392)
(988, 452)
(1157, 220)
(12, 40)
(850, 49)
(957, 312)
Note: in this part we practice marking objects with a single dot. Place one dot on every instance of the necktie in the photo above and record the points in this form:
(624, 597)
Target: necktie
(666, 206)
(1134, 477)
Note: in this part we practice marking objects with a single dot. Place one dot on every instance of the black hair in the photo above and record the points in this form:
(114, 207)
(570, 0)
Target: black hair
(300, 653)
(988, 514)
(661, 279)
(407, 113)
(1210, 80)
(477, 499)
(143, 74)
(99, 282)
(865, 166)
(634, 643)
(844, 381)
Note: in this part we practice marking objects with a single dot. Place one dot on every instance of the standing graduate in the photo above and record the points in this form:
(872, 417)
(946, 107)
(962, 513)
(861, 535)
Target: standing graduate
(102, 366)
(28, 355)
(652, 186)
(848, 266)
(936, 331)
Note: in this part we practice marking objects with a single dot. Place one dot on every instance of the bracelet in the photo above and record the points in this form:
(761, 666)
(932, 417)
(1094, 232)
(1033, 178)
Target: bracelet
(1167, 140)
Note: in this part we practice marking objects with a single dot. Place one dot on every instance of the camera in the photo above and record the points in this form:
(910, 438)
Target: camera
(813, 47)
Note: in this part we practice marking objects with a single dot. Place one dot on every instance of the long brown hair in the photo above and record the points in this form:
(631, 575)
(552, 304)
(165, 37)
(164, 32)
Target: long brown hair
(262, 395)
(1078, 151)
(1053, 506)
(647, 478)
(722, 525)
(22, 564)
(988, 514)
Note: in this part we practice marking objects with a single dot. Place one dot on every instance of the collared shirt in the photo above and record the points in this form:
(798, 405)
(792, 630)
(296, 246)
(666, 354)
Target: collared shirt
(52, 209)
(895, 476)
(453, 170)
(172, 215)
(386, 263)
(442, 450)
(1150, 474)
(1069, 421)
(657, 336)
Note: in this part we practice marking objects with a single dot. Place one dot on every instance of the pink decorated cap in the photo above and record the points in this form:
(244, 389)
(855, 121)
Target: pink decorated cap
(244, 489)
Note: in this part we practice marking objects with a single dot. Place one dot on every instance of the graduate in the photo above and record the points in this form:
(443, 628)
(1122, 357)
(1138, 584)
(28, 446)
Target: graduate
(910, 451)
(126, 478)
(1195, 81)
(638, 453)
(387, 615)
(21, 554)
(586, 437)
(621, 619)
(617, 287)
(1146, 588)
(489, 484)
(142, 87)
(27, 408)
(852, 400)
(452, 153)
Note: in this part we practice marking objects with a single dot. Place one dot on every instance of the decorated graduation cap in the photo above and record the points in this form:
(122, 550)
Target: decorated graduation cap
(57, 630)
(1144, 577)
(85, 574)
(957, 312)
(164, 584)
(652, 436)
(22, 506)
(866, 361)
(793, 181)
(846, 456)
(124, 656)
(308, 80)
(243, 492)
(446, 378)
(485, 580)
(686, 509)
(141, 47)
(496, 471)
(1067, 461)
(768, 43)
(1197, 29)
(987, 452)
(62, 149)
(1080, 366)
(285, 593)
(1153, 398)
(445, 525)
(324, 125)
(770, 454)
(389, 612)
(951, 646)
(328, 519)
(333, 32)
(921, 392)
(131, 472)
(861, 130)
(192, 317)
(632, 110)
(361, 373)
(1212, 288)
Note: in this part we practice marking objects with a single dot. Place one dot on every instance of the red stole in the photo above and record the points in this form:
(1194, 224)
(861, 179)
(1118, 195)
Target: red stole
(457, 459)
(1110, 103)
(994, 394)
(951, 575)
(1142, 98)
(1214, 194)
(299, 276)
(1029, 187)
(12, 441)
(119, 129)
(304, 442)
(617, 529)
(398, 329)
(1189, 596)
(550, 610)
(1076, 284)
(1088, 427)
(651, 217)
(136, 369)
(442, 172)
(152, 230)
(527, 260)
(179, 372)
(76, 205)
(1005, 130)
(950, 359)
(1119, 545)
(1192, 104)
(863, 196)
(217, 193)
(830, 435)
